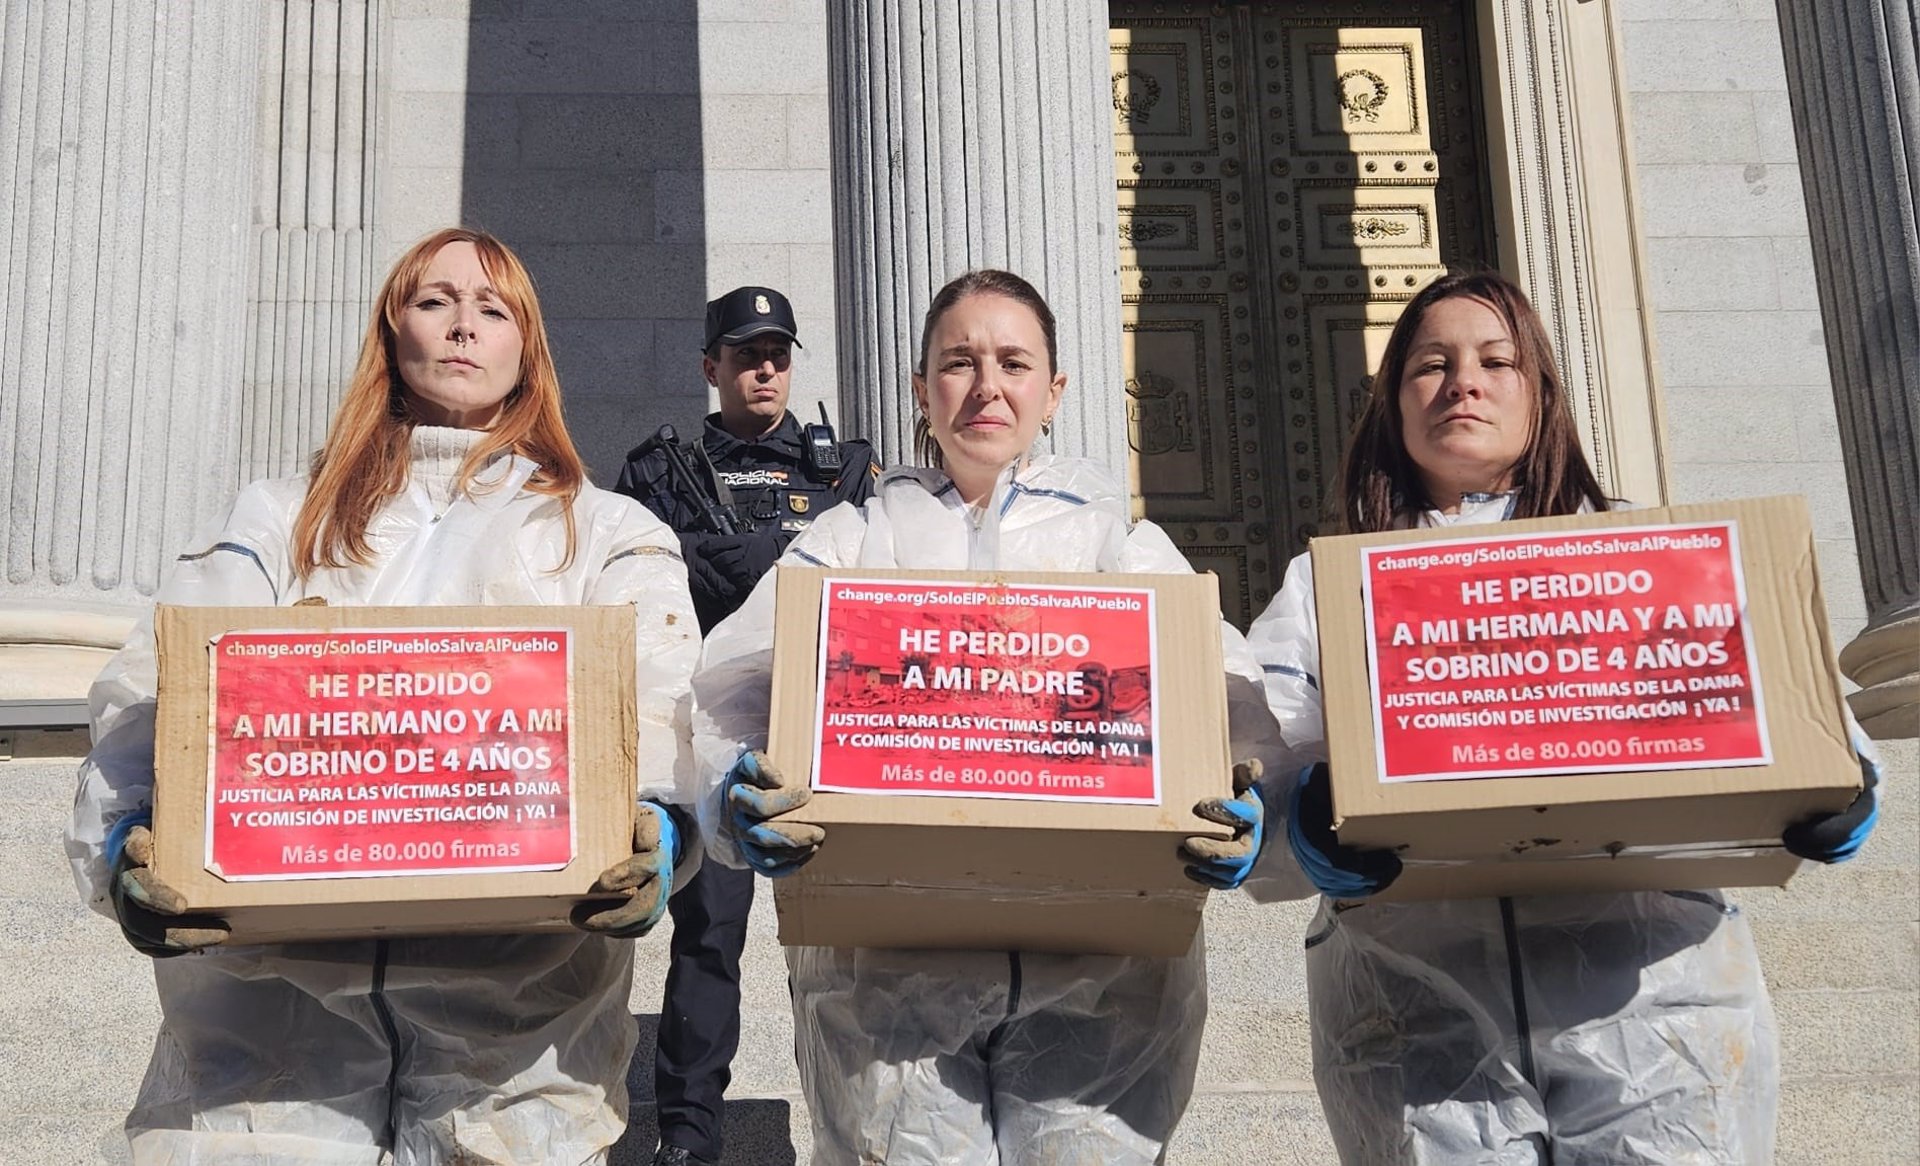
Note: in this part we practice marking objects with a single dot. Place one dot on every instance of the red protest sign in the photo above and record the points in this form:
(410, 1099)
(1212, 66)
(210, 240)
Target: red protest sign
(392, 751)
(1599, 651)
(1007, 690)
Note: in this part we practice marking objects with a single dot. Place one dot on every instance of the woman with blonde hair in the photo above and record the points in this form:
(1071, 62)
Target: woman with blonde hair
(447, 478)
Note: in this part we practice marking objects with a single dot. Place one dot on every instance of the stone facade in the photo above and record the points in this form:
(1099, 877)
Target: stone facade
(914, 81)
(123, 196)
(313, 270)
(644, 157)
(1751, 410)
(1736, 315)
(1854, 76)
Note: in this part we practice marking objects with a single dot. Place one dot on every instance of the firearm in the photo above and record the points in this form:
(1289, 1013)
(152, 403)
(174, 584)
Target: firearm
(688, 485)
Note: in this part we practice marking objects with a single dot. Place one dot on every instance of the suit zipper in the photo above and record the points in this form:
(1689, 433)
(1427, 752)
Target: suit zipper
(382, 1010)
(1512, 933)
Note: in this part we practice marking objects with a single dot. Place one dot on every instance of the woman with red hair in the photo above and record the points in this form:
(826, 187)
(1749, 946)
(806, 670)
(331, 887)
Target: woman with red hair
(447, 478)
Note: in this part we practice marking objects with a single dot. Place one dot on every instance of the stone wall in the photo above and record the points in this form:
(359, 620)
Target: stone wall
(645, 156)
(1736, 315)
(1750, 410)
(641, 158)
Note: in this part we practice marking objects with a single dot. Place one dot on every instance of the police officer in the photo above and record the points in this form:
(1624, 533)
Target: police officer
(756, 479)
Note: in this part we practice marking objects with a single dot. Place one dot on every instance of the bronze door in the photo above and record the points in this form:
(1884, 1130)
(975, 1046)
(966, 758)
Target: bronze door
(1287, 179)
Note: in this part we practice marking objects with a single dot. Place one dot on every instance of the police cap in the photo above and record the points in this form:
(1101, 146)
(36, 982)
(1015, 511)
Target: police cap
(746, 312)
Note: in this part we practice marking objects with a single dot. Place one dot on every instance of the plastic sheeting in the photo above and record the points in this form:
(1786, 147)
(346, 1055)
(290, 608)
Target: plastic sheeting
(509, 1048)
(1613, 1028)
(498, 1049)
(978, 1057)
(972, 1057)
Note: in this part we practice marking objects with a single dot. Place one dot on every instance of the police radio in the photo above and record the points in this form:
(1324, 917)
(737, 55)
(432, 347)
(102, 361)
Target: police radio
(822, 452)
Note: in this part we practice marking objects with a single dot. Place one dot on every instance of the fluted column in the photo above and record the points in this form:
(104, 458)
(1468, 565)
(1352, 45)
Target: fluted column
(974, 133)
(1854, 83)
(311, 286)
(1567, 216)
(126, 131)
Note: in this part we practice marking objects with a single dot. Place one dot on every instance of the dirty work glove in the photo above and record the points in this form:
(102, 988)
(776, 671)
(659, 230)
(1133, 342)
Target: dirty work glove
(756, 793)
(1341, 872)
(150, 911)
(1838, 837)
(646, 877)
(1224, 865)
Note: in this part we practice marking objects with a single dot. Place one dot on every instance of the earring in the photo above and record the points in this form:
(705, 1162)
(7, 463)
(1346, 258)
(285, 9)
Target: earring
(1046, 427)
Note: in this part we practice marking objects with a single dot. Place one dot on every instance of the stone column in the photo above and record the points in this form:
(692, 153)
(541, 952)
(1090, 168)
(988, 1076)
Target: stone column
(1855, 87)
(126, 132)
(1553, 79)
(974, 134)
(312, 279)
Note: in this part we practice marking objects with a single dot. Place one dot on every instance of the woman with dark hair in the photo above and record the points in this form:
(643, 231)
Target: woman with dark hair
(972, 1058)
(447, 478)
(1562, 1029)
(1518, 441)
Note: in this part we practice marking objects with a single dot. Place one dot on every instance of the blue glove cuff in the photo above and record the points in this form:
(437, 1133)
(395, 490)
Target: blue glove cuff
(670, 836)
(1871, 776)
(1326, 871)
(1226, 874)
(1837, 837)
(117, 833)
(1253, 817)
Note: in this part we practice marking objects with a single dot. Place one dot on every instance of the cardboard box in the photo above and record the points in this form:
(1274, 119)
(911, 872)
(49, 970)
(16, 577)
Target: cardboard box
(945, 866)
(323, 772)
(1635, 700)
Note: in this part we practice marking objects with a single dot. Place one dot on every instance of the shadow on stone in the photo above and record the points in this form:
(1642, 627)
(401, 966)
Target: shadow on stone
(583, 151)
(758, 1129)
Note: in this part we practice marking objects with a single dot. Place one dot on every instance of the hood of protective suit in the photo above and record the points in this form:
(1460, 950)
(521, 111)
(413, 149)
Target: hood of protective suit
(1052, 514)
(1286, 639)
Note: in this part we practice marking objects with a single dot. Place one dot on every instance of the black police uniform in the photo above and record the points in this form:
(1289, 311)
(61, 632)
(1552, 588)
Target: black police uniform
(773, 490)
(778, 496)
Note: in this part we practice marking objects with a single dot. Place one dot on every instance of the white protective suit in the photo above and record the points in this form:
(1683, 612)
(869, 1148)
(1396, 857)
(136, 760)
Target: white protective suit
(970, 1058)
(1575, 1030)
(509, 1048)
